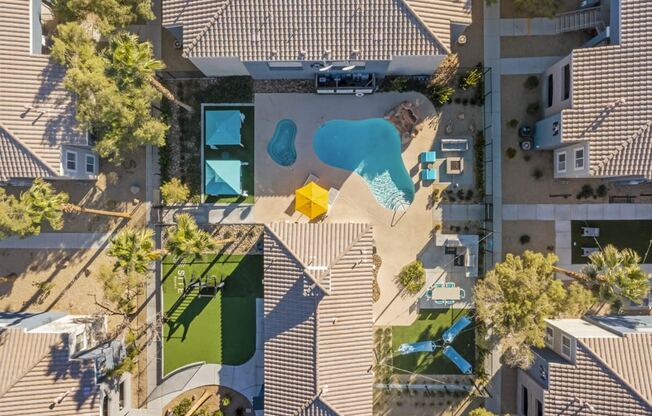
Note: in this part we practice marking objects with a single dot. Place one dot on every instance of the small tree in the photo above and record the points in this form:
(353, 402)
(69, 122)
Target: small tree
(134, 250)
(413, 277)
(121, 289)
(110, 14)
(187, 239)
(174, 192)
(470, 78)
(515, 298)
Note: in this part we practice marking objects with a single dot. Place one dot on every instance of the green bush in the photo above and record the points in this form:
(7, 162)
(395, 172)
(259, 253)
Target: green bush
(470, 79)
(513, 123)
(413, 277)
(182, 408)
(398, 84)
(601, 190)
(524, 239)
(439, 94)
(510, 152)
(533, 109)
(481, 412)
(226, 401)
(218, 413)
(537, 173)
(174, 192)
(531, 82)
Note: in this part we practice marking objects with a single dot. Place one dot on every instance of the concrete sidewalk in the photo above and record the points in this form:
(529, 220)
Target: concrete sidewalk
(526, 66)
(567, 212)
(57, 241)
(538, 26)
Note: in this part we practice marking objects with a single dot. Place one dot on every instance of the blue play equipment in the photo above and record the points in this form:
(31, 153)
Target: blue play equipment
(455, 329)
(448, 351)
(457, 359)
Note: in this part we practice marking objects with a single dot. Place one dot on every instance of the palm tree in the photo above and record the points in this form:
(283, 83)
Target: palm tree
(133, 62)
(134, 250)
(615, 273)
(187, 239)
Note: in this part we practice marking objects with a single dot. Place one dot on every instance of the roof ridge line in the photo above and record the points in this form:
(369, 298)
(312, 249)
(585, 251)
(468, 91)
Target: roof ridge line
(20, 143)
(356, 240)
(425, 26)
(622, 146)
(297, 259)
(614, 373)
(206, 27)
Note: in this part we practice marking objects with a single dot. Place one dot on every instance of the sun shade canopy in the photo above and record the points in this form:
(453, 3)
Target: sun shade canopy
(223, 177)
(311, 200)
(223, 127)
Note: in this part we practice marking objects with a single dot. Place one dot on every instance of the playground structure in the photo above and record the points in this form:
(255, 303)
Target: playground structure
(447, 338)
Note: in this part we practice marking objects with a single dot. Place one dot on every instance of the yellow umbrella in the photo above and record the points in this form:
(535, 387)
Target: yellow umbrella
(311, 200)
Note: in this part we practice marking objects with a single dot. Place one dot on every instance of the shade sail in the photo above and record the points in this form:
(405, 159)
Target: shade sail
(311, 200)
(222, 127)
(223, 177)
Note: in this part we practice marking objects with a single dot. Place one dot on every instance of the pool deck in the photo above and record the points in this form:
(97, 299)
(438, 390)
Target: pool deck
(401, 236)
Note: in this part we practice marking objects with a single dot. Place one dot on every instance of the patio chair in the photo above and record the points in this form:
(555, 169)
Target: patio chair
(450, 302)
(429, 294)
(244, 193)
(333, 193)
(450, 284)
(311, 178)
(462, 293)
(428, 157)
(439, 302)
(590, 232)
(439, 285)
(428, 175)
(244, 163)
(587, 251)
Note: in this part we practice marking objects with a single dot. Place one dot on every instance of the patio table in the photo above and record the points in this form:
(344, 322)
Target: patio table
(446, 293)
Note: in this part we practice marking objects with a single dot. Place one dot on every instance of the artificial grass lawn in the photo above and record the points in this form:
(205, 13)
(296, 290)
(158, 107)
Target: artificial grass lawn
(634, 234)
(244, 153)
(219, 329)
(430, 325)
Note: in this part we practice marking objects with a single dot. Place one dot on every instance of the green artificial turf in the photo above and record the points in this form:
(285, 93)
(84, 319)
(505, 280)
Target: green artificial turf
(219, 329)
(430, 325)
(634, 234)
(244, 153)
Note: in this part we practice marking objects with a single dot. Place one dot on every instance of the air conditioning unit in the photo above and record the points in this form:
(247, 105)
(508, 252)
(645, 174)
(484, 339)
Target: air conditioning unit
(178, 44)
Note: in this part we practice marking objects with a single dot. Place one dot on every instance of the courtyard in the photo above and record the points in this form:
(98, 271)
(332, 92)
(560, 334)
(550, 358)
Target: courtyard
(207, 324)
(636, 235)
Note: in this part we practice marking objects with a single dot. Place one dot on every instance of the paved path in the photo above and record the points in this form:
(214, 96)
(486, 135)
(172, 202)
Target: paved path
(247, 378)
(538, 26)
(213, 214)
(567, 212)
(58, 241)
(459, 212)
(526, 66)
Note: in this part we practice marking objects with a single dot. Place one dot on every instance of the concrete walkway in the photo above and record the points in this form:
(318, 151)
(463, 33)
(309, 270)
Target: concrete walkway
(567, 212)
(213, 214)
(246, 379)
(538, 26)
(57, 241)
(459, 212)
(526, 66)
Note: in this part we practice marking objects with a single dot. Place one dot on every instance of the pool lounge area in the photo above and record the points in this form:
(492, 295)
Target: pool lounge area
(228, 153)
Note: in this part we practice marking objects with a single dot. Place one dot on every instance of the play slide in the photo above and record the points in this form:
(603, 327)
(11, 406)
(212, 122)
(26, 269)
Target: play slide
(457, 359)
(423, 346)
(455, 329)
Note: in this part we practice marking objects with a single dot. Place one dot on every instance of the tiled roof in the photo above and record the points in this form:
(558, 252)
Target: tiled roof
(611, 106)
(318, 343)
(34, 106)
(40, 373)
(262, 30)
(590, 387)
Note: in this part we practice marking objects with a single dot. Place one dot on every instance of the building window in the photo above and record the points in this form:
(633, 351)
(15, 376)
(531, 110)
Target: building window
(79, 342)
(105, 406)
(566, 81)
(561, 162)
(579, 159)
(524, 403)
(284, 65)
(549, 336)
(71, 161)
(550, 90)
(539, 408)
(566, 346)
(90, 164)
(121, 396)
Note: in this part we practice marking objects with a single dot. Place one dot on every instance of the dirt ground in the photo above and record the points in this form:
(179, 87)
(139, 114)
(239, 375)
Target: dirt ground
(518, 180)
(212, 404)
(472, 52)
(509, 11)
(551, 45)
(541, 234)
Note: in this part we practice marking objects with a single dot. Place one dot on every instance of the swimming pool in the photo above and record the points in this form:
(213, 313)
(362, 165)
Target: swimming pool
(372, 149)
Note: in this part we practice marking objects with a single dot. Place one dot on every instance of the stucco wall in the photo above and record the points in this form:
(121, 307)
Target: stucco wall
(414, 65)
(535, 392)
(214, 67)
(571, 171)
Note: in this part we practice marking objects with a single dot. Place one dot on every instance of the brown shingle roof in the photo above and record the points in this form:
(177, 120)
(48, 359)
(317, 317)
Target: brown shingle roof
(611, 106)
(261, 30)
(40, 371)
(318, 343)
(34, 106)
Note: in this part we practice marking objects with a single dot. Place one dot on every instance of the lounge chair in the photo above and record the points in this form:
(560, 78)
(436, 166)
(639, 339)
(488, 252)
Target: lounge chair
(462, 293)
(587, 251)
(450, 284)
(244, 193)
(428, 175)
(428, 157)
(450, 302)
(311, 178)
(439, 302)
(333, 193)
(439, 285)
(590, 232)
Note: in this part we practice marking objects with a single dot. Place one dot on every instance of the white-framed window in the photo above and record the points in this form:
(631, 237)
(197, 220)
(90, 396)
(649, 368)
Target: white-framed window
(71, 160)
(80, 342)
(284, 65)
(561, 162)
(579, 158)
(549, 336)
(90, 164)
(566, 346)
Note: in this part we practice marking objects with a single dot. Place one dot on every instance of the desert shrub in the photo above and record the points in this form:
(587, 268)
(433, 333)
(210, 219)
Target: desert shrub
(533, 108)
(601, 190)
(439, 94)
(174, 192)
(375, 290)
(218, 413)
(226, 400)
(537, 173)
(182, 408)
(513, 123)
(510, 153)
(412, 276)
(398, 84)
(531, 82)
(527, 157)
(465, 101)
(446, 70)
(458, 100)
(524, 239)
(470, 79)
(585, 192)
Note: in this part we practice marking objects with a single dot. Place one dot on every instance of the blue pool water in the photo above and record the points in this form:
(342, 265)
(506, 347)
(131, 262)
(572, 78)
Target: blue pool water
(372, 149)
(281, 146)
